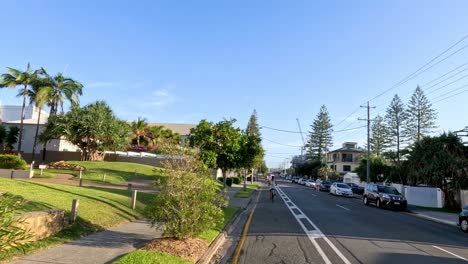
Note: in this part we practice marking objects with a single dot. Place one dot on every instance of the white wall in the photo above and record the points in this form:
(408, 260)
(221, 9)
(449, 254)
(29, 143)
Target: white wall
(424, 196)
(463, 197)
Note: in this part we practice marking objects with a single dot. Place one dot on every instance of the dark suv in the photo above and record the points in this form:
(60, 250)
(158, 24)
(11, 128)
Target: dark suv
(384, 196)
(463, 219)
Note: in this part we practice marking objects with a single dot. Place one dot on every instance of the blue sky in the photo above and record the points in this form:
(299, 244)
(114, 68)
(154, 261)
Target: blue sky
(182, 61)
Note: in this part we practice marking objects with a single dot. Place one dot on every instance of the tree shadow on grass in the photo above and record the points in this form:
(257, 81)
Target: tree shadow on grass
(115, 205)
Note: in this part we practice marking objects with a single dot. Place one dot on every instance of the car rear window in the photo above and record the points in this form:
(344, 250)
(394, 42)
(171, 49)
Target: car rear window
(389, 190)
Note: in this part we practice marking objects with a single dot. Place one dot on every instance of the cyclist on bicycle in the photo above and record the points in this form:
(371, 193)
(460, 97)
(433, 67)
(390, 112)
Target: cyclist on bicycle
(272, 187)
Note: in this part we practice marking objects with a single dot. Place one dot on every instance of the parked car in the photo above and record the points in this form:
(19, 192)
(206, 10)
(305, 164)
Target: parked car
(356, 188)
(384, 196)
(295, 179)
(463, 219)
(310, 183)
(324, 186)
(342, 189)
(301, 181)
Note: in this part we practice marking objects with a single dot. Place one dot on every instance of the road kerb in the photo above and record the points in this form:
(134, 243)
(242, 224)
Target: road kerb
(433, 218)
(221, 238)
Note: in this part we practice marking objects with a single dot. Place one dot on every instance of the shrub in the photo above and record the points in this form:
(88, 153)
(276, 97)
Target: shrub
(236, 180)
(12, 162)
(190, 201)
(11, 236)
(229, 182)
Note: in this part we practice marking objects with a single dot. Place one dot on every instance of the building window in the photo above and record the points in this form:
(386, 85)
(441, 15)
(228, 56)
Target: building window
(346, 157)
(346, 168)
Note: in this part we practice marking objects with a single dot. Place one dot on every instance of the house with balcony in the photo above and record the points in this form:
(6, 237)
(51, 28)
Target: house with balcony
(346, 158)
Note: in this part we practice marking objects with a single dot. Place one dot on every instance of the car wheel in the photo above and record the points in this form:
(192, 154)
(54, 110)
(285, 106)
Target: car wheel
(464, 225)
(366, 202)
(378, 203)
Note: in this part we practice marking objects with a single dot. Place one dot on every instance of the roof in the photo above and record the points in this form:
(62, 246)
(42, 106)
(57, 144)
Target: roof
(357, 150)
(351, 174)
(182, 129)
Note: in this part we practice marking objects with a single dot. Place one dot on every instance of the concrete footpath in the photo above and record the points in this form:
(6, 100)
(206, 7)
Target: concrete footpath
(103, 247)
(109, 245)
(441, 217)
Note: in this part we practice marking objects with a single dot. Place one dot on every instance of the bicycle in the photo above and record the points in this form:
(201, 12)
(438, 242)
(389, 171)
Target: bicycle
(272, 194)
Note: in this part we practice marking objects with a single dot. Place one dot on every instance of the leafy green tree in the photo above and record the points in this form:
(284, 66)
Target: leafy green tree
(93, 128)
(263, 167)
(421, 116)
(379, 136)
(395, 118)
(23, 79)
(3, 134)
(219, 143)
(158, 135)
(320, 136)
(380, 169)
(189, 202)
(12, 137)
(309, 168)
(441, 162)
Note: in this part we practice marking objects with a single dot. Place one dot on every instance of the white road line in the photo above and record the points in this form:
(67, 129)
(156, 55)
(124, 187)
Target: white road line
(446, 251)
(343, 207)
(315, 233)
(313, 194)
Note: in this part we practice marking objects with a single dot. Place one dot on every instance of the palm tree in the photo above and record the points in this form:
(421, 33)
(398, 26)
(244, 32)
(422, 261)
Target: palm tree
(61, 88)
(139, 129)
(14, 78)
(39, 97)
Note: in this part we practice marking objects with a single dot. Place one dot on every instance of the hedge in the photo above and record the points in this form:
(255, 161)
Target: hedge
(12, 162)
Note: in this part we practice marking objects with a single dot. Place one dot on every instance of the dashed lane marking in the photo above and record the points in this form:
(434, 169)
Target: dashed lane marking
(343, 207)
(313, 234)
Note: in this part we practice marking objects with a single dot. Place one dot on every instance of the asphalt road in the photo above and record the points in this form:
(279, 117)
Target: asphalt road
(304, 226)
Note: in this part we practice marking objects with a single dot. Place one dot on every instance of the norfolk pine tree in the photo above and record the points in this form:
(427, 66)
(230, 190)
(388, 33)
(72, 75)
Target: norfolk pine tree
(421, 116)
(253, 132)
(395, 118)
(379, 136)
(320, 137)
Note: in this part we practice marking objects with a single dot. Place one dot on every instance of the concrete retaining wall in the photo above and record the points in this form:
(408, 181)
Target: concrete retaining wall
(42, 224)
(17, 174)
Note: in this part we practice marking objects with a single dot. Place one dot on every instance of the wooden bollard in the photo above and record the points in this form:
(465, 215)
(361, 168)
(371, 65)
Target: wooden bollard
(81, 173)
(104, 178)
(81, 182)
(12, 173)
(129, 187)
(74, 210)
(134, 198)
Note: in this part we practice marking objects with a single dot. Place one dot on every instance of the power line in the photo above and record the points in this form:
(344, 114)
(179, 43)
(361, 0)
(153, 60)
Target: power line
(281, 130)
(418, 71)
(349, 129)
(448, 97)
(286, 145)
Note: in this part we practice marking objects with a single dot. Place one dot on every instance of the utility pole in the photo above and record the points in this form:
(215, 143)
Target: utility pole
(302, 136)
(368, 138)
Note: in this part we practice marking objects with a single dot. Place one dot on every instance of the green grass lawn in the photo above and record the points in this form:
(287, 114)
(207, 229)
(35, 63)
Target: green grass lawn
(116, 172)
(99, 208)
(150, 257)
(211, 234)
(248, 192)
(52, 173)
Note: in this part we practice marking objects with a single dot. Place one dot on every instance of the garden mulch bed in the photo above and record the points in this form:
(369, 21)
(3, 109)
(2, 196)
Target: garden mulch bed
(190, 248)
